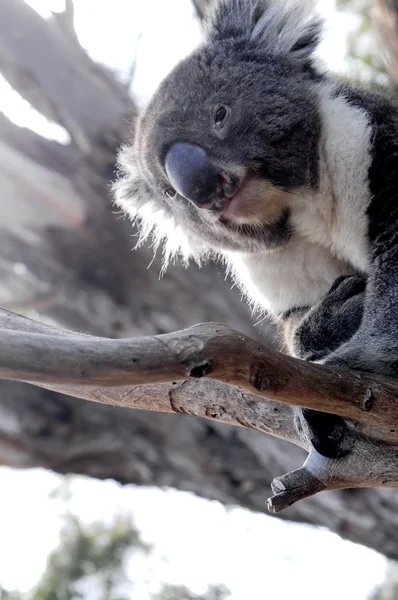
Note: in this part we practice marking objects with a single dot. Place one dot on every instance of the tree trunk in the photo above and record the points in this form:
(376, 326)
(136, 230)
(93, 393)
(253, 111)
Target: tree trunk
(65, 256)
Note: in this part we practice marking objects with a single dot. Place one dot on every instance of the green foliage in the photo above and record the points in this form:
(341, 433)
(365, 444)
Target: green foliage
(363, 58)
(94, 551)
(94, 556)
(171, 592)
(5, 595)
(88, 551)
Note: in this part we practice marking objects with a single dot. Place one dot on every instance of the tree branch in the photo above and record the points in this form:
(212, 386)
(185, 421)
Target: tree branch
(213, 372)
(61, 158)
(207, 350)
(45, 63)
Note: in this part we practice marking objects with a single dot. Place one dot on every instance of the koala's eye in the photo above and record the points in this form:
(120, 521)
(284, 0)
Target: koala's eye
(220, 115)
(170, 193)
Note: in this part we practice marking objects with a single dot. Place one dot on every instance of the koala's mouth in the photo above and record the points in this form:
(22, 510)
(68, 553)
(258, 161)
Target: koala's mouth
(254, 202)
(231, 203)
(226, 196)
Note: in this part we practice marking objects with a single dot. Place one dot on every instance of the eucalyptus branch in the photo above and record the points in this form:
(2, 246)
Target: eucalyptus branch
(213, 372)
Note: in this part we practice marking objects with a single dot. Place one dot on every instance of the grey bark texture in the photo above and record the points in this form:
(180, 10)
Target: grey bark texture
(66, 256)
(213, 372)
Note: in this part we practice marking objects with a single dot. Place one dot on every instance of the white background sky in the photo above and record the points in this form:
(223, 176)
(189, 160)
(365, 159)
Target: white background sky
(196, 542)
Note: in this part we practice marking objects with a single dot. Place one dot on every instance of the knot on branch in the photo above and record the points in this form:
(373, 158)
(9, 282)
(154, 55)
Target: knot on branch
(201, 370)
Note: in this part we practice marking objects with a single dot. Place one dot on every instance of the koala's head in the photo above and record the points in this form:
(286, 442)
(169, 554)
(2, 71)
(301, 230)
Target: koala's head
(230, 135)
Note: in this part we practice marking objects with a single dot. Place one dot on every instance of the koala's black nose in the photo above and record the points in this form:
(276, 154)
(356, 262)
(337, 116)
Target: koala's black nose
(192, 174)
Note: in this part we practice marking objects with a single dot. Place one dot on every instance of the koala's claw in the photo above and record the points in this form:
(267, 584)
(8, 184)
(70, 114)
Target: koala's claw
(346, 286)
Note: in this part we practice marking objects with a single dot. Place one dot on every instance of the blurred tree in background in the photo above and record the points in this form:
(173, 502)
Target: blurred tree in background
(171, 592)
(363, 60)
(91, 560)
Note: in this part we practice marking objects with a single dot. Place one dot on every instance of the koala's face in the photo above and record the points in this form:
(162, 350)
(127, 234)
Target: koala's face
(228, 137)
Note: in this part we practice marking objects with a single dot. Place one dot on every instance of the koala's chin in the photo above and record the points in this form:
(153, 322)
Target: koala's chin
(246, 235)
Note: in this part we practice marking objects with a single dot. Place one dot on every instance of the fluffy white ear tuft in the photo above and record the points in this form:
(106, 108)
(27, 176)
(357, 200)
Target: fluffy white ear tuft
(287, 28)
(281, 27)
(228, 19)
(136, 199)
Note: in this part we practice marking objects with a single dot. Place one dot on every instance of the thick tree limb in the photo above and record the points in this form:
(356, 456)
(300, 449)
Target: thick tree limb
(212, 350)
(45, 63)
(63, 159)
(203, 371)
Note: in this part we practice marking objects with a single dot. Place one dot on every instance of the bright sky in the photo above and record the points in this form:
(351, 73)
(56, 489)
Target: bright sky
(196, 542)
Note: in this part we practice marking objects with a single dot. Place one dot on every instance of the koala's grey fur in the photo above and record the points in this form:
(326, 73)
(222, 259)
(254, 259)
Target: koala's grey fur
(315, 245)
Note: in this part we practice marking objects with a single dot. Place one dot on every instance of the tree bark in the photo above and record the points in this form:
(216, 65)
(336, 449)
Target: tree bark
(65, 256)
(213, 372)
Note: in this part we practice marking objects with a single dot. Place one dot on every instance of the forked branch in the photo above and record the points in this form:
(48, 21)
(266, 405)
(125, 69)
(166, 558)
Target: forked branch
(213, 372)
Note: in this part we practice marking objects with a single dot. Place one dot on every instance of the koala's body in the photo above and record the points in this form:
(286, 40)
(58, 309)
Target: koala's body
(250, 152)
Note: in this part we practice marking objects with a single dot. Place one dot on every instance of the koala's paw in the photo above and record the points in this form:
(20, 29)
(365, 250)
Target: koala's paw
(331, 322)
(345, 287)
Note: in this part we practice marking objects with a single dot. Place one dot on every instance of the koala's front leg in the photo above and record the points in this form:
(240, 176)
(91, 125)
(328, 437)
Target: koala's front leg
(313, 334)
(374, 347)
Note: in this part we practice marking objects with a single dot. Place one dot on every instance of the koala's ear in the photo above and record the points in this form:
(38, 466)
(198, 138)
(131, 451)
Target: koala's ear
(280, 27)
(288, 28)
(228, 19)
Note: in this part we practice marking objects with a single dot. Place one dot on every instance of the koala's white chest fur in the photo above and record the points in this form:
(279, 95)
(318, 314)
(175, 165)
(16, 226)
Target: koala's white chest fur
(330, 225)
(298, 274)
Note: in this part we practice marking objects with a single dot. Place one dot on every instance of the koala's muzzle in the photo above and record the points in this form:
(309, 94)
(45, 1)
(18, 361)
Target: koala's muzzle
(195, 177)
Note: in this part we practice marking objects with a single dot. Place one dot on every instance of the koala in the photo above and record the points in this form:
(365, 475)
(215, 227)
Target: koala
(250, 151)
